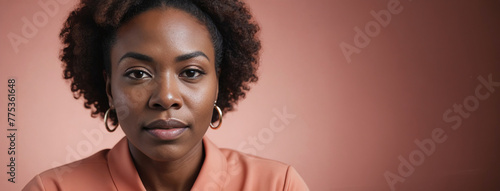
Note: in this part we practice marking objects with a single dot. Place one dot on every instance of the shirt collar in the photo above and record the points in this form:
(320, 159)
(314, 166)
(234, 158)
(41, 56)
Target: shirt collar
(125, 176)
(214, 170)
(122, 168)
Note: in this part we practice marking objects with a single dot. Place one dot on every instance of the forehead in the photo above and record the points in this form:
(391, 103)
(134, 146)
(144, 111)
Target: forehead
(164, 30)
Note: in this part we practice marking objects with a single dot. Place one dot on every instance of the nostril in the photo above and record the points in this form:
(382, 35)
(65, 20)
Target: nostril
(156, 105)
(160, 106)
(175, 105)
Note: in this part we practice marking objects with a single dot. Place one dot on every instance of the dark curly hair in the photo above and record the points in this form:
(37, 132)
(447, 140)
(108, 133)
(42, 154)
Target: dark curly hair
(89, 33)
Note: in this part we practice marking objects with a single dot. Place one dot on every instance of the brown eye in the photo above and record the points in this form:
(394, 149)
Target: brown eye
(137, 74)
(192, 73)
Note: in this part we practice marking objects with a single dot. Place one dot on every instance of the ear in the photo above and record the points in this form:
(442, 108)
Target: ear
(218, 71)
(107, 79)
(217, 91)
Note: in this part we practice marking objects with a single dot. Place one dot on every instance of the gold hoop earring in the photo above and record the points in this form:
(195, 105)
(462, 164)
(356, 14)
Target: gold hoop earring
(220, 118)
(106, 121)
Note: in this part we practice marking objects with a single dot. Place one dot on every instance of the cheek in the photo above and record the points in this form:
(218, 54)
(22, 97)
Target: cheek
(200, 102)
(128, 101)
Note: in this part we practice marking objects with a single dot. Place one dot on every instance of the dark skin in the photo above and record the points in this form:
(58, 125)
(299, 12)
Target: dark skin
(162, 68)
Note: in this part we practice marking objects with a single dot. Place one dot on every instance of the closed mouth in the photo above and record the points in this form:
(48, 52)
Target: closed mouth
(166, 124)
(166, 130)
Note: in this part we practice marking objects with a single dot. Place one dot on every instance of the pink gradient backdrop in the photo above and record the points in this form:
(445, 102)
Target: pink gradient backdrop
(352, 119)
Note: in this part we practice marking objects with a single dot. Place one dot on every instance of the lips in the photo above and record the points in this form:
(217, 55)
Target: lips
(170, 129)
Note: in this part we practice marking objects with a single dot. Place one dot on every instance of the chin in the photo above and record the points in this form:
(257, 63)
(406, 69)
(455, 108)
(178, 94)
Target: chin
(165, 151)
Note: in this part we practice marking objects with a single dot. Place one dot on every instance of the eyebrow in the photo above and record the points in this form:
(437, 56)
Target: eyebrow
(137, 56)
(190, 55)
(146, 58)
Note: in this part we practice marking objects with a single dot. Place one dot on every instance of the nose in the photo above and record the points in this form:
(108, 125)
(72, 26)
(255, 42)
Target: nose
(166, 94)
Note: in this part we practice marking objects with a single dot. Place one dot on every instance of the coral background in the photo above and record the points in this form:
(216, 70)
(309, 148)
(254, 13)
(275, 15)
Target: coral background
(350, 124)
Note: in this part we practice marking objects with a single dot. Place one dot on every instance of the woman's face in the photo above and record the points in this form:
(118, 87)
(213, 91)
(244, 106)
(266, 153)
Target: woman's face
(163, 82)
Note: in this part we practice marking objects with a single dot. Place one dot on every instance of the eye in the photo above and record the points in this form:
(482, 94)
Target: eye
(192, 73)
(137, 74)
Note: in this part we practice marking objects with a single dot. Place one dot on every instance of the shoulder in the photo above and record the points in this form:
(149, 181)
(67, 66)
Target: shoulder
(256, 163)
(261, 173)
(226, 169)
(92, 170)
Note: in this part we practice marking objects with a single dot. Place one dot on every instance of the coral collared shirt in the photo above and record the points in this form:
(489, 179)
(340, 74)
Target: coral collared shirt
(223, 169)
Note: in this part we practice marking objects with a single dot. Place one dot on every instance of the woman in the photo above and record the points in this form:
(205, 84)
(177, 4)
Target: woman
(165, 71)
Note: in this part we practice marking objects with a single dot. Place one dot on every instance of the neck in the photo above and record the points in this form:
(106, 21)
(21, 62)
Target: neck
(179, 174)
